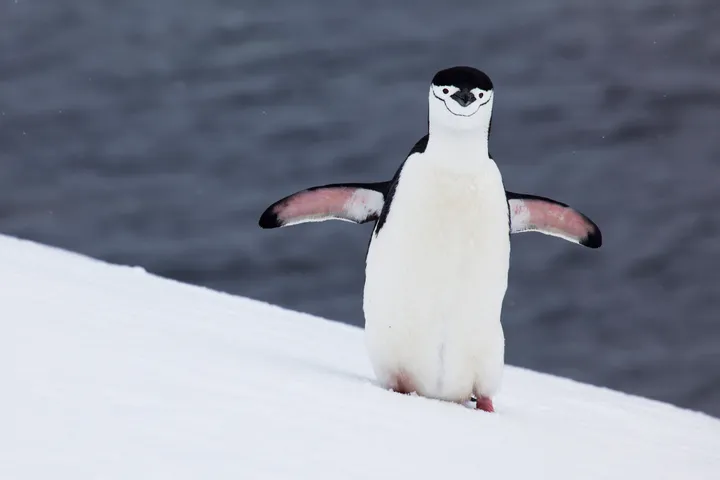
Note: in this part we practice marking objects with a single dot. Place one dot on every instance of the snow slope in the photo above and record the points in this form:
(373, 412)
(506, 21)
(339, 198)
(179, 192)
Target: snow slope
(111, 373)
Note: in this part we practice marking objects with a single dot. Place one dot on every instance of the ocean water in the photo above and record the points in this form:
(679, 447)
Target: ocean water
(154, 133)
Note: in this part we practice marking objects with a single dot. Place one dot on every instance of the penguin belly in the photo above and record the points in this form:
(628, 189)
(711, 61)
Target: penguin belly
(436, 276)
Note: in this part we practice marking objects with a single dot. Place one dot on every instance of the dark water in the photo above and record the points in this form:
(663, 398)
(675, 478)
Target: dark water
(154, 132)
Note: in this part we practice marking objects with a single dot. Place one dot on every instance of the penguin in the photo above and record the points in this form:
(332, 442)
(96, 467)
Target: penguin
(437, 264)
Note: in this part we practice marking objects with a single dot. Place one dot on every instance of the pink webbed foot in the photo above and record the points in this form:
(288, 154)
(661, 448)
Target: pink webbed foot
(485, 404)
(402, 384)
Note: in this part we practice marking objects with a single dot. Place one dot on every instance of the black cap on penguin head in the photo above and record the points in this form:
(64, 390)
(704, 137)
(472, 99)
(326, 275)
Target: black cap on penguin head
(464, 78)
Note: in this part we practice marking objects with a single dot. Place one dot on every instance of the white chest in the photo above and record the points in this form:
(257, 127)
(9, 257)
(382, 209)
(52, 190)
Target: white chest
(446, 219)
(436, 276)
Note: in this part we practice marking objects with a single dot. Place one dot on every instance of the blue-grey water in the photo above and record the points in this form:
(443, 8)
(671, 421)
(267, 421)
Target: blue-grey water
(154, 133)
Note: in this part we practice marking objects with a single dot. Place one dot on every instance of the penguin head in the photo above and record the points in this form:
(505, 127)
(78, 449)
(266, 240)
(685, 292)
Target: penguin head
(460, 98)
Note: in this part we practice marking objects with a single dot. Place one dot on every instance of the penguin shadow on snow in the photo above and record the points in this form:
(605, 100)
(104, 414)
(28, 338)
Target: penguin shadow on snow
(440, 243)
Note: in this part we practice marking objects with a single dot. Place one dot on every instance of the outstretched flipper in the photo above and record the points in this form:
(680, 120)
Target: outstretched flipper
(350, 202)
(544, 215)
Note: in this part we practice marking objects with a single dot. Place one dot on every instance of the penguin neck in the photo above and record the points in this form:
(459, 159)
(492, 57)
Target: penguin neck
(474, 140)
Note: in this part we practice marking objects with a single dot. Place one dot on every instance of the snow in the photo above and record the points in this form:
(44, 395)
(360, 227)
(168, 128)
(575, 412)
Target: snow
(112, 373)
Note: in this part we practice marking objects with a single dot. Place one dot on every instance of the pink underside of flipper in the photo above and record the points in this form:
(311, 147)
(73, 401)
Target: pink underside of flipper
(318, 202)
(552, 217)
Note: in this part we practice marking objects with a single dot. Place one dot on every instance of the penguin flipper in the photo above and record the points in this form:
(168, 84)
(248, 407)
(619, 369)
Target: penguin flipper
(350, 202)
(550, 217)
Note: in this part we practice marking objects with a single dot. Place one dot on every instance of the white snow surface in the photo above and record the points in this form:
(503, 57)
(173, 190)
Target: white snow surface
(109, 372)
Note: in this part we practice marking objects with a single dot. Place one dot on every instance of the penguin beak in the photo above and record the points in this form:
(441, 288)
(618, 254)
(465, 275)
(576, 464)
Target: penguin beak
(464, 97)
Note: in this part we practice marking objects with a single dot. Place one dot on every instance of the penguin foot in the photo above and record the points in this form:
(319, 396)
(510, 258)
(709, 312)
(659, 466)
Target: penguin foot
(485, 404)
(403, 384)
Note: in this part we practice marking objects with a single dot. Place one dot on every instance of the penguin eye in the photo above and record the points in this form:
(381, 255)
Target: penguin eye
(446, 91)
(480, 95)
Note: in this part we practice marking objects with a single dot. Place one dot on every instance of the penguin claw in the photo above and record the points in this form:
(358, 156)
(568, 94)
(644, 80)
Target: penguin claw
(485, 404)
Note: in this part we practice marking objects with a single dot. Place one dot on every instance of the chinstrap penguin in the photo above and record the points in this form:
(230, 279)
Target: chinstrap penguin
(436, 269)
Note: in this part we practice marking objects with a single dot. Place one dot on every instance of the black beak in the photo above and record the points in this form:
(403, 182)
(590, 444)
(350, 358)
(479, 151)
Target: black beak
(464, 97)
